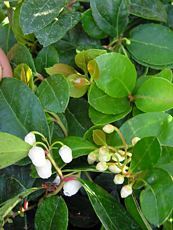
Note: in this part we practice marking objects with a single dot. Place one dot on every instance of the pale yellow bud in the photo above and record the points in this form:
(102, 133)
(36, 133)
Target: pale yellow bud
(135, 140)
(126, 191)
(108, 128)
(113, 168)
(118, 179)
(104, 154)
(101, 166)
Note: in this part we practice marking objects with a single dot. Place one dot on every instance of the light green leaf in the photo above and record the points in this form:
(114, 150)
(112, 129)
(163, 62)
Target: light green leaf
(114, 73)
(154, 95)
(99, 137)
(53, 93)
(60, 68)
(56, 212)
(12, 149)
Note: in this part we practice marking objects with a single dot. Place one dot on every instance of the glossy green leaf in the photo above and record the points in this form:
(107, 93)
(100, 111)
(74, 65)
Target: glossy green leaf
(148, 9)
(35, 15)
(106, 104)
(151, 44)
(7, 39)
(156, 200)
(20, 109)
(8, 206)
(47, 57)
(53, 93)
(60, 68)
(165, 73)
(99, 118)
(99, 137)
(55, 210)
(90, 27)
(154, 95)
(58, 28)
(146, 153)
(20, 54)
(111, 16)
(82, 58)
(111, 214)
(12, 149)
(114, 73)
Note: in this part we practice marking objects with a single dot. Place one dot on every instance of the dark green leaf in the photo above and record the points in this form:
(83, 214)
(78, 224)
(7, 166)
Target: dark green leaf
(151, 44)
(156, 200)
(52, 214)
(111, 214)
(155, 95)
(145, 154)
(7, 39)
(20, 109)
(114, 73)
(12, 149)
(53, 93)
(111, 16)
(35, 15)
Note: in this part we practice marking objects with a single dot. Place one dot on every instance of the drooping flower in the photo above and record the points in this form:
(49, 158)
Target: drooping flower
(30, 138)
(102, 166)
(65, 153)
(118, 179)
(45, 171)
(126, 191)
(37, 156)
(108, 128)
(71, 187)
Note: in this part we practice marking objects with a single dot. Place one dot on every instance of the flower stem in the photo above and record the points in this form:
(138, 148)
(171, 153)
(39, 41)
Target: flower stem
(58, 170)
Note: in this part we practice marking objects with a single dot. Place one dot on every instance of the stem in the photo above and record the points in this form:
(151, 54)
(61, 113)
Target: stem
(58, 170)
(58, 121)
(56, 142)
(122, 137)
(41, 135)
(41, 143)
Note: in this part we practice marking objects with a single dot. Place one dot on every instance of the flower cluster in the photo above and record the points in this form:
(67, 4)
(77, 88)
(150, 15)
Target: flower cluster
(115, 160)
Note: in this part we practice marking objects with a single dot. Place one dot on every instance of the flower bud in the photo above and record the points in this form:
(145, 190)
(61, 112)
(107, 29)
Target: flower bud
(30, 138)
(92, 157)
(118, 156)
(65, 153)
(135, 140)
(126, 191)
(45, 171)
(71, 187)
(108, 128)
(104, 154)
(57, 180)
(119, 179)
(37, 156)
(101, 166)
(113, 168)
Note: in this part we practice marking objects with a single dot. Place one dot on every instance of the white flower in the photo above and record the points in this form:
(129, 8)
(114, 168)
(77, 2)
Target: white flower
(119, 179)
(101, 166)
(37, 156)
(117, 156)
(104, 154)
(108, 128)
(113, 168)
(57, 180)
(126, 191)
(92, 157)
(71, 187)
(135, 140)
(45, 171)
(30, 138)
(65, 153)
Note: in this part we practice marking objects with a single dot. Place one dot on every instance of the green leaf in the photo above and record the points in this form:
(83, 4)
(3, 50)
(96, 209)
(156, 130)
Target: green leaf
(64, 69)
(165, 73)
(111, 16)
(20, 109)
(156, 200)
(111, 214)
(52, 213)
(90, 27)
(7, 39)
(99, 118)
(114, 73)
(151, 45)
(20, 54)
(106, 104)
(57, 29)
(47, 57)
(12, 149)
(146, 153)
(8, 206)
(155, 95)
(151, 10)
(99, 137)
(35, 15)
(53, 93)
(82, 59)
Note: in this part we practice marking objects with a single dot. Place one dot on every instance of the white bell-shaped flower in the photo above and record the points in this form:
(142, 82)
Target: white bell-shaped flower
(108, 128)
(30, 138)
(104, 154)
(92, 157)
(37, 156)
(57, 180)
(101, 166)
(118, 179)
(126, 191)
(65, 153)
(45, 171)
(114, 168)
(71, 187)
(135, 140)
(117, 156)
